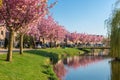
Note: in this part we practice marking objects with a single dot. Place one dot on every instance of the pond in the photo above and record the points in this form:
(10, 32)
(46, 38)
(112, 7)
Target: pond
(87, 68)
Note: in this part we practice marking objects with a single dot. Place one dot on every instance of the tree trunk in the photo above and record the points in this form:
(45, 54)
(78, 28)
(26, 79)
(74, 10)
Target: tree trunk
(33, 41)
(13, 41)
(55, 42)
(10, 47)
(66, 42)
(43, 41)
(21, 43)
(50, 43)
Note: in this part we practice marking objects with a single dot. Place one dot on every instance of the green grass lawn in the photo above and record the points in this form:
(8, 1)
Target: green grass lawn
(32, 65)
(69, 51)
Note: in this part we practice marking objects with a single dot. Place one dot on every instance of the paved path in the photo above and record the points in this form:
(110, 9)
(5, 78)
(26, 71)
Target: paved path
(4, 51)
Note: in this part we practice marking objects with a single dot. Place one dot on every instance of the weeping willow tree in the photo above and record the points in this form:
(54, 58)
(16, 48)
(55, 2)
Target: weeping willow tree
(115, 35)
(114, 31)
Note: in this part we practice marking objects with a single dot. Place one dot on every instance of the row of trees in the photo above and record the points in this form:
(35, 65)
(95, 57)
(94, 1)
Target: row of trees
(29, 17)
(48, 29)
(84, 38)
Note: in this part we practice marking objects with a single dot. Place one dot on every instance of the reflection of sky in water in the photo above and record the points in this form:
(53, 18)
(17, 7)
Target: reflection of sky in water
(95, 71)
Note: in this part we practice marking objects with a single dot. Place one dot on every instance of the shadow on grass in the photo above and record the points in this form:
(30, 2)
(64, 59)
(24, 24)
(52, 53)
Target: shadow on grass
(49, 71)
(48, 68)
(84, 50)
(52, 56)
(2, 59)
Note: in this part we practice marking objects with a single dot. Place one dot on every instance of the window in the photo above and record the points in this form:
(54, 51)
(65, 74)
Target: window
(0, 43)
(1, 32)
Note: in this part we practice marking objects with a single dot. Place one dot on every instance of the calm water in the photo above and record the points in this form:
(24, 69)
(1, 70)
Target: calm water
(87, 68)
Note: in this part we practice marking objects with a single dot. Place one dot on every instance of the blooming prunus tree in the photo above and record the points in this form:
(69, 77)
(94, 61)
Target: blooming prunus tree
(60, 33)
(74, 37)
(43, 29)
(40, 30)
(34, 33)
(85, 38)
(56, 32)
(22, 31)
(47, 28)
(17, 14)
(33, 25)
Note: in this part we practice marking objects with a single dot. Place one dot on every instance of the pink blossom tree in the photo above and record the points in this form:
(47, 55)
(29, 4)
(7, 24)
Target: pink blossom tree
(60, 33)
(33, 25)
(73, 37)
(22, 31)
(56, 32)
(43, 29)
(18, 14)
(48, 29)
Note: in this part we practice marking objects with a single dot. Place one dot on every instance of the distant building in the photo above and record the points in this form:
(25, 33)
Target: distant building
(2, 35)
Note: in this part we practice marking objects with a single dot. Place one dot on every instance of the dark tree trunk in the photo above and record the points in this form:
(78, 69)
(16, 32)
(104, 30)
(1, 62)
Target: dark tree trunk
(21, 43)
(10, 46)
(55, 43)
(43, 41)
(50, 43)
(34, 44)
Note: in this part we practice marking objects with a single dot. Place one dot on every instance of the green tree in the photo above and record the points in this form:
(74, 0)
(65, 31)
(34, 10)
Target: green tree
(115, 35)
(114, 32)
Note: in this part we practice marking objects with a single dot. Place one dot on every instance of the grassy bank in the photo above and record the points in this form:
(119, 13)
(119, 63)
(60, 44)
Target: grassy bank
(33, 65)
(56, 54)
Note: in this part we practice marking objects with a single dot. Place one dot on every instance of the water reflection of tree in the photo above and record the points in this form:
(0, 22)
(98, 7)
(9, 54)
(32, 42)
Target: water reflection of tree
(60, 69)
(78, 61)
(115, 70)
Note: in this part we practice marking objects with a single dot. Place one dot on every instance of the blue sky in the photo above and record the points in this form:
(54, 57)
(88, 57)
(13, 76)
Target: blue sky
(83, 16)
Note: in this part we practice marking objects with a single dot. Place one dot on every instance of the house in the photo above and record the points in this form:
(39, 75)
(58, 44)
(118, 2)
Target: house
(2, 35)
